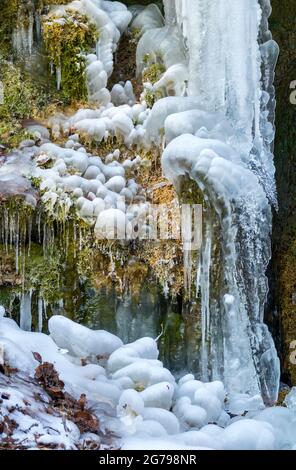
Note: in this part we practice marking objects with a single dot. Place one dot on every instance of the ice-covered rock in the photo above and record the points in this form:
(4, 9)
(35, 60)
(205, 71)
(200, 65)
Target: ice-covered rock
(249, 435)
(283, 421)
(143, 373)
(149, 18)
(111, 224)
(290, 400)
(155, 124)
(167, 419)
(123, 94)
(160, 44)
(79, 340)
(96, 128)
(92, 172)
(116, 184)
(159, 395)
(143, 348)
(130, 403)
(174, 81)
(2, 311)
(200, 123)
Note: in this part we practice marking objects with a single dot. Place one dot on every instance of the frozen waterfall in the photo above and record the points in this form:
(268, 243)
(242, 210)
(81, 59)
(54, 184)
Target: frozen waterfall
(230, 58)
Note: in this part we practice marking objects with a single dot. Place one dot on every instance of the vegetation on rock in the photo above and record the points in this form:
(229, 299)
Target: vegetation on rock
(67, 40)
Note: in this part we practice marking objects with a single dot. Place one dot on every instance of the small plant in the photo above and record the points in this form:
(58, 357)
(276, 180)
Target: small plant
(151, 74)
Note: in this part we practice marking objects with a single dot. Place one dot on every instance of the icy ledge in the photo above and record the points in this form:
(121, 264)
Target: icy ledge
(135, 398)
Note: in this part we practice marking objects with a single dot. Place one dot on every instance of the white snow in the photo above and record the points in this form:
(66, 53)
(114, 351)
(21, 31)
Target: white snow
(152, 410)
(79, 340)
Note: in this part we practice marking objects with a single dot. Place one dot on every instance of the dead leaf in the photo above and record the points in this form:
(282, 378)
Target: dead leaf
(38, 357)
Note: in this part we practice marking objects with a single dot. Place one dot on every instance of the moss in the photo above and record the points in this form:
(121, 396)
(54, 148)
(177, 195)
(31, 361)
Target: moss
(43, 274)
(66, 42)
(189, 192)
(9, 12)
(12, 134)
(54, 2)
(23, 99)
(35, 182)
(151, 74)
(282, 397)
(20, 98)
(136, 34)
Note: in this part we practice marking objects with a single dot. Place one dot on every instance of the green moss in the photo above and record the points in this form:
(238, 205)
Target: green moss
(54, 2)
(22, 99)
(189, 192)
(43, 273)
(18, 92)
(151, 74)
(66, 43)
(35, 182)
(9, 12)
(12, 134)
(136, 34)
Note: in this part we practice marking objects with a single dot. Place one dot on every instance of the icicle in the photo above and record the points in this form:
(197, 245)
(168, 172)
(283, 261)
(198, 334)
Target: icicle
(26, 311)
(205, 295)
(30, 32)
(59, 77)
(38, 25)
(17, 243)
(40, 313)
(187, 239)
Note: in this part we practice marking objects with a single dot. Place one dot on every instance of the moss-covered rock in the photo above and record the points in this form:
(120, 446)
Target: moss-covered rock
(23, 98)
(67, 40)
(282, 307)
(9, 13)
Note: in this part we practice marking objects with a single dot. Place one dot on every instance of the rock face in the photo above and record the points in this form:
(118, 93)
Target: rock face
(282, 308)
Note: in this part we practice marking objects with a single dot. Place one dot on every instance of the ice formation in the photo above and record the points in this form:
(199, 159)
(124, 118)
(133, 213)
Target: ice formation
(99, 192)
(150, 409)
(225, 145)
(111, 20)
(215, 122)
